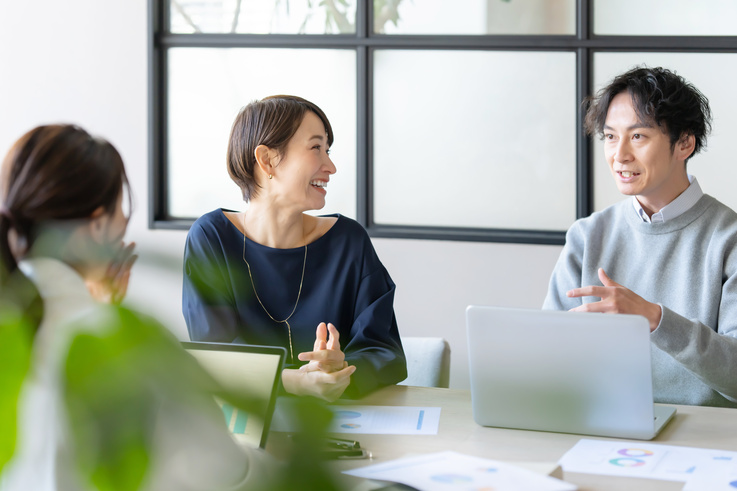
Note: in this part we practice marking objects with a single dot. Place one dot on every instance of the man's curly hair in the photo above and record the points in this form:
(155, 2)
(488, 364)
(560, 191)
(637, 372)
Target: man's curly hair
(660, 97)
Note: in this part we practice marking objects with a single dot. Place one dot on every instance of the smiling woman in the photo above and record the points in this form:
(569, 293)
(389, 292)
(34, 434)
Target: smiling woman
(277, 276)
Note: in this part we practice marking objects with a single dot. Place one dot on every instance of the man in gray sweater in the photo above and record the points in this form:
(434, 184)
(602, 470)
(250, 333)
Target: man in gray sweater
(669, 253)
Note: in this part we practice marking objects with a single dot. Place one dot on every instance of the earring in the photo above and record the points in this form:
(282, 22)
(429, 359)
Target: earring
(270, 176)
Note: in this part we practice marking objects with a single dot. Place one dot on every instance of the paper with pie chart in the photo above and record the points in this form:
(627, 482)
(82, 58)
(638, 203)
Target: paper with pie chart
(640, 459)
(385, 420)
(446, 471)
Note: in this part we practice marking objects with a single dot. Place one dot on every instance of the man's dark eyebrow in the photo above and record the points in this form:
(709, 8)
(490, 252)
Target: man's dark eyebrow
(641, 124)
(635, 126)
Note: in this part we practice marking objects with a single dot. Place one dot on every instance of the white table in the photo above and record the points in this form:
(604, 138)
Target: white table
(692, 426)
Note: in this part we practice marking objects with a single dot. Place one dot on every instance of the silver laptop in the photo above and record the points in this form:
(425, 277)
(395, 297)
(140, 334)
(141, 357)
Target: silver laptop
(568, 372)
(252, 372)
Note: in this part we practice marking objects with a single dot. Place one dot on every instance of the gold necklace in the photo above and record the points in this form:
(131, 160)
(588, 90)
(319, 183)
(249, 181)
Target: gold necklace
(299, 293)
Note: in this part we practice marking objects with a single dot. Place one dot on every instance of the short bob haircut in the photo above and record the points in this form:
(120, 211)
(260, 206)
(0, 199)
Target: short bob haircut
(659, 96)
(272, 122)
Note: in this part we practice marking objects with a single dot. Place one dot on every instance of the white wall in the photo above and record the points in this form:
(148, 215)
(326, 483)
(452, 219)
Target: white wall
(84, 61)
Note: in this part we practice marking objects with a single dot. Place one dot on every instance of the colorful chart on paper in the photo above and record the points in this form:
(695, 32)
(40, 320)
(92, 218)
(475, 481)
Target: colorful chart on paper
(386, 420)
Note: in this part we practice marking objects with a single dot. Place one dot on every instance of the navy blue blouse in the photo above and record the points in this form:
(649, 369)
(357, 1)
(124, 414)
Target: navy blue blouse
(344, 283)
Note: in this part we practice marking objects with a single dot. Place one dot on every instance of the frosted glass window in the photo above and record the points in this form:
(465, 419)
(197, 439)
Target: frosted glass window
(475, 17)
(207, 88)
(714, 166)
(475, 139)
(665, 17)
(263, 16)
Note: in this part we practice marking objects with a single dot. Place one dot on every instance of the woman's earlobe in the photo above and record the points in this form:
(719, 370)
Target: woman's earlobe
(97, 229)
(99, 211)
(264, 157)
(96, 226)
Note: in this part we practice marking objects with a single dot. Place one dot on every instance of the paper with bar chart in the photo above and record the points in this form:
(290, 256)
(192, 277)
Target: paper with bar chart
(385, 420)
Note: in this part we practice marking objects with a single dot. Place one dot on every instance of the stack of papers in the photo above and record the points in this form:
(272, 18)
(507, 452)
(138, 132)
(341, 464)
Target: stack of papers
(451, 470)
(699, 468)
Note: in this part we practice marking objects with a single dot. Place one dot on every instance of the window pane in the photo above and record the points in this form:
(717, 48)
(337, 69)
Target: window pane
(207, 88)
(713, 166)
(665, 17)
(475, 139)
(469, 17)
(263, 16)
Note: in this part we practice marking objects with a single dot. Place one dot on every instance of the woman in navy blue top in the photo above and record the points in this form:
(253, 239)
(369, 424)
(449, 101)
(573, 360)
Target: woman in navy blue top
(277, 276)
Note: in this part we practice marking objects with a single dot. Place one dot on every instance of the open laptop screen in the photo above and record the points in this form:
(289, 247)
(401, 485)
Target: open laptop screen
(248, 371)
(571, 372)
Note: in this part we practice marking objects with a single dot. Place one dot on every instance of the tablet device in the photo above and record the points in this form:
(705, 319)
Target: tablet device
(248, 371)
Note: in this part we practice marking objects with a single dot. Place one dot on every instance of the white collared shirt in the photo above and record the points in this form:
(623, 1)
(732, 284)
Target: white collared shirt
(675, 208)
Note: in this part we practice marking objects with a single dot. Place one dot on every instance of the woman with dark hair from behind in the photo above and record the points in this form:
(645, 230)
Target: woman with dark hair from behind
(109, 401)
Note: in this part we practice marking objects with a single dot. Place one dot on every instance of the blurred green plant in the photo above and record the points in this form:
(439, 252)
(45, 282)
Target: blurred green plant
(115, 381)
(15, 353)
(115, 375)
(115, 378)
(111, 383)
(336, 19)
(339, 17)
(306, 468)
(385, 11)
(337, 14)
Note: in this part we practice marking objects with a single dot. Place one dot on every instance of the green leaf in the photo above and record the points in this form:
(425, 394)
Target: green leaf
(306, 465)
(113, 379)
(15, 351)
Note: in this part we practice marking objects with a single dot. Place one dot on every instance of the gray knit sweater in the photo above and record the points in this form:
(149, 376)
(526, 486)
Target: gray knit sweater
(688, 265)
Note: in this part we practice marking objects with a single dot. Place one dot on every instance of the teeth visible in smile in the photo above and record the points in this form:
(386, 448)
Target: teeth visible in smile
(627, 173)
(319, 184)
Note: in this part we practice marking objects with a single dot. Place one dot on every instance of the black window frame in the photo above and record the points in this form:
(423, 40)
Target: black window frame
(584, 43)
